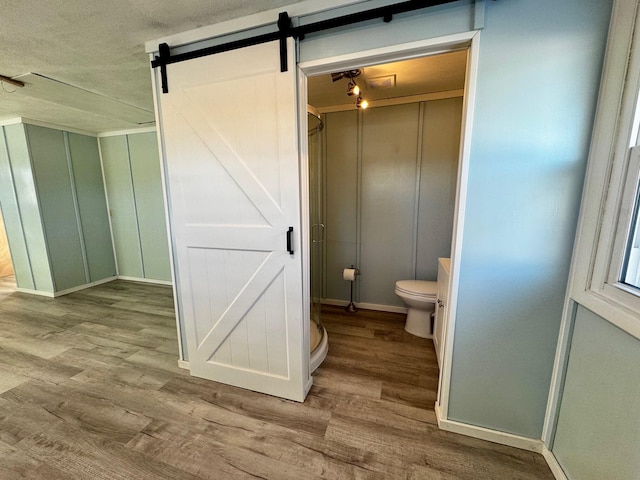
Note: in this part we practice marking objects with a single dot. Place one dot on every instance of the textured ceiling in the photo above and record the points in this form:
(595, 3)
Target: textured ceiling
(97, 46)
(85, 67)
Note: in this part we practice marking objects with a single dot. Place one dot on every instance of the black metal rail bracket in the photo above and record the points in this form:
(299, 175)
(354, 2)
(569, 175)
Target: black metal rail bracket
(284, 27)
(286, 30)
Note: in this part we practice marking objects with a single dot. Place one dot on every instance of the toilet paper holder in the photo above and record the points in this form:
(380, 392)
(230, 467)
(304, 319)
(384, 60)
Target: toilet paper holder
(350, 274)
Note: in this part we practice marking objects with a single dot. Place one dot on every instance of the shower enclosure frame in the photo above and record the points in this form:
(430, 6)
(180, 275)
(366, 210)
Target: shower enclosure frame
(316, 245)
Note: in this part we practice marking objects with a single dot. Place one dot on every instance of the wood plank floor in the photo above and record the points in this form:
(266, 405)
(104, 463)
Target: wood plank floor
(89, 389)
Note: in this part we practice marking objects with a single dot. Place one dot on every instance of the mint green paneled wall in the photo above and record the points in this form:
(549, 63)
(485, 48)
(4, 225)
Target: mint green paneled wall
(57, 206)
(598, 429)
(92, 206)
(30, 215)
(55, 210)
(388, 201)
(438, 176)
(12, 220)
(341, 200)
(134, 189)
(122, 208)
(390, 193)
(147, 186)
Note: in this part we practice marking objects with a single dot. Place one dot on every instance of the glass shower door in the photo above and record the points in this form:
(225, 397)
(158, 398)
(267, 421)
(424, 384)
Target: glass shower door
(317, 228)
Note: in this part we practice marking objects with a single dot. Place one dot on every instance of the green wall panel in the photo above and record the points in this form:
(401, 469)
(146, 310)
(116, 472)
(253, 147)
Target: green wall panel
(12, 221)
(92, 206)
(598, 430)
(405, 216)
(117, 172)
(388, 201)
(438, 177)
(29, 208)
(57, 204)
(147, 184)
(341, 218)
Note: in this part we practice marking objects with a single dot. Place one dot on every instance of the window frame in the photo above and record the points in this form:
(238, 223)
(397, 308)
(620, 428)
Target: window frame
(611, 183)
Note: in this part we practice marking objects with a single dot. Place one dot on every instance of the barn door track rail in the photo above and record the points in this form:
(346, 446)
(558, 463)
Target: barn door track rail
(286, 30)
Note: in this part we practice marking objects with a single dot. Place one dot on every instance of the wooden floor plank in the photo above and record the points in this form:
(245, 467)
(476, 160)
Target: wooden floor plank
(15, 464)
(90, 389)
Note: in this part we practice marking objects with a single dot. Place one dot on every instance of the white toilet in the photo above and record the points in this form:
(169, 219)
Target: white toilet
(420, 298)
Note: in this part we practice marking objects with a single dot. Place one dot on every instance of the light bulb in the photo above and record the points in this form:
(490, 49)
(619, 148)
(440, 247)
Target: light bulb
(353, 88)
(360, 103)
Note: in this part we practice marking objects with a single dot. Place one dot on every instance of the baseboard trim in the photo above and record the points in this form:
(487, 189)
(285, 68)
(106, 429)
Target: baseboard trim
(366, 306)
(184, 364)
(487, 434)
(35, 292)
(308, 386)
(83, 287)
(144, 280)
(67, 291)
(553, 463)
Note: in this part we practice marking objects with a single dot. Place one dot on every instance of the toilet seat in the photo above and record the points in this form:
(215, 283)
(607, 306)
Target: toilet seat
(418, 289)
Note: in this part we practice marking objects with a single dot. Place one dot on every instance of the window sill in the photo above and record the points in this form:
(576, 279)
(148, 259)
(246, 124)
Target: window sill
(608, 304)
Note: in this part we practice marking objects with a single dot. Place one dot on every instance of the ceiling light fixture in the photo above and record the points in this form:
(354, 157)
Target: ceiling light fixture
(346, 74)
(352, 87)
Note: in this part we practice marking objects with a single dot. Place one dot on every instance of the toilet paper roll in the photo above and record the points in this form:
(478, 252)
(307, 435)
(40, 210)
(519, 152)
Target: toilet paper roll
(349, 274)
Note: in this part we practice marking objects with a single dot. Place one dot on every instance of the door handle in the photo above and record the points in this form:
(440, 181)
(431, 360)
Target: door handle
(290, 240)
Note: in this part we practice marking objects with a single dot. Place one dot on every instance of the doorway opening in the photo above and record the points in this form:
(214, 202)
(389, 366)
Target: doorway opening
(392, 176)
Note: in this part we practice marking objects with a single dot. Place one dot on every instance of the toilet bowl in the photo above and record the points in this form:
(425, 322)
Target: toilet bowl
(420, 298)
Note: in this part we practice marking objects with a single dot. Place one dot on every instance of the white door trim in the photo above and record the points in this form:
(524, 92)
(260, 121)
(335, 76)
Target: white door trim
(166, 192)
(468, 105)
(467, 40)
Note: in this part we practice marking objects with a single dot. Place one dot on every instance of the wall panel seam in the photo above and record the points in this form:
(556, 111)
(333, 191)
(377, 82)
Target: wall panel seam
(106, 200)
(359, 161)
(76, 207)
(573, 312)
(39, 208)
(135, 205)
(418, 181)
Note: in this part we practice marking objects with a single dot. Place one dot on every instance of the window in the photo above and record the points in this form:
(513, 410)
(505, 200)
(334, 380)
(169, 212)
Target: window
(606, 266)
(624, 270)
(630, 271)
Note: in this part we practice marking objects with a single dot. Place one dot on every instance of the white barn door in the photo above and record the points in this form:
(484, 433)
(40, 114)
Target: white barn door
(229, 127)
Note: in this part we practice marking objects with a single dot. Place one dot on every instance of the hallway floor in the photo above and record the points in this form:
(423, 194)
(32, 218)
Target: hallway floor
(89, 389)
